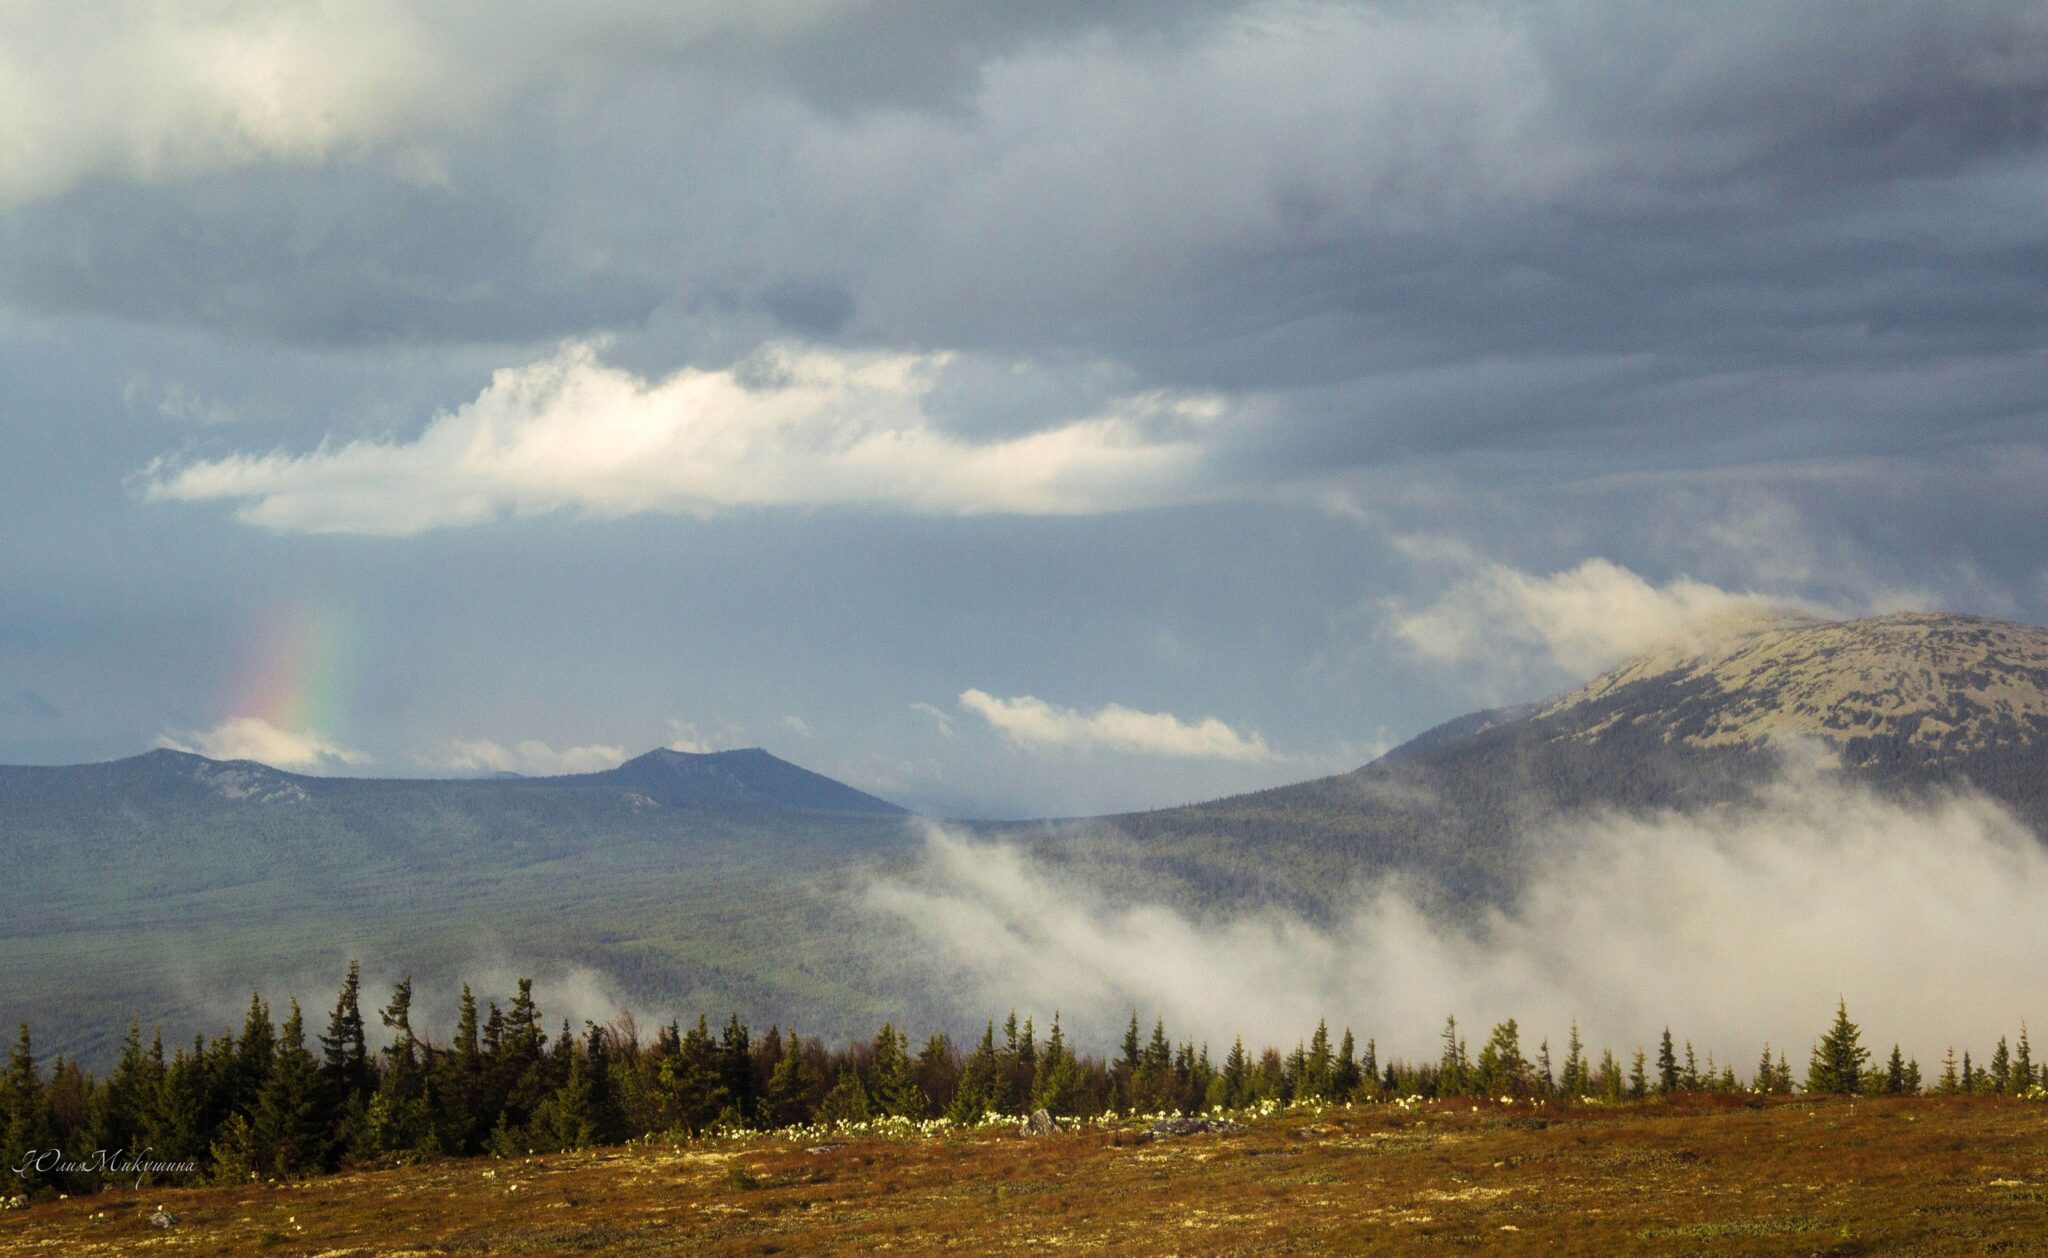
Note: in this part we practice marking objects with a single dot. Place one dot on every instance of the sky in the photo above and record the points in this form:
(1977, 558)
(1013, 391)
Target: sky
(1009, 409)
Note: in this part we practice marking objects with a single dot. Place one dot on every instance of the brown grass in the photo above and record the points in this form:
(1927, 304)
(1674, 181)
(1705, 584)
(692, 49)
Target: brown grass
(1702, 1174)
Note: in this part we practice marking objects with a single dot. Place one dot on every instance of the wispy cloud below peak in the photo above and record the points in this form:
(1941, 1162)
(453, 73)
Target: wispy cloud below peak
(254, 738)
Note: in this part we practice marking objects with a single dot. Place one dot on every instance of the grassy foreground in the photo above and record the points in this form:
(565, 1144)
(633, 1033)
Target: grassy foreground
(1699, 1174)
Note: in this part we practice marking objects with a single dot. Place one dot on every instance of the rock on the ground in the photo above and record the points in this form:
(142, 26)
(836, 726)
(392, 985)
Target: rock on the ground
(1167, 1128)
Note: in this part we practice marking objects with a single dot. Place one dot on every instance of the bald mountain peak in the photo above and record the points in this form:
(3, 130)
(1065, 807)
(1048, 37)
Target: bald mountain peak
(1926, 686)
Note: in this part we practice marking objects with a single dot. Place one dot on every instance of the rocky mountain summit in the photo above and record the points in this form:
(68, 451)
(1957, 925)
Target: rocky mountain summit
(1929, 687)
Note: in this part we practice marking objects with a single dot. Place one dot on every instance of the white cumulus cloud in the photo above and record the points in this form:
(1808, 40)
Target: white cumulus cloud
(1031, 722)
(531, 757)
(138, 89)
(794, 427)
(253, 738)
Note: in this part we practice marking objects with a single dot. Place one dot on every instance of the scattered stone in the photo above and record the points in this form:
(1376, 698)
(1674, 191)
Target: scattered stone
(1039, 1124)
(163, 1218)
(1167, 1128)
(821, 1148)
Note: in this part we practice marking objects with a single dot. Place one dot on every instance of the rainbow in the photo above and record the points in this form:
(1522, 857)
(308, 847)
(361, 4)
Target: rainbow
(298, 672)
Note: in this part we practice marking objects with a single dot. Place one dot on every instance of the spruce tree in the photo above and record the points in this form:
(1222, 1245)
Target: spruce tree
(1125, 1073)
(1895, 1073)
(2022, 1063)
(567, 1118)
(458, 1077)
(890, 1088)
(789, 1088)
(345, 1073)
(1345, 1075)
(126, 1100)
(847, 1102)
(1837, 1064)
(1576, 1082)
(288, 1134)
(1057, 1087)
(2001, 1068)
(979, 1081)
(1667, 1066)
(253, 1054)
(26, 1127)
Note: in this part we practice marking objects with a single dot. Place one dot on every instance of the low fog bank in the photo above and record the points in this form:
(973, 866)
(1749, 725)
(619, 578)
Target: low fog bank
(1734, 925)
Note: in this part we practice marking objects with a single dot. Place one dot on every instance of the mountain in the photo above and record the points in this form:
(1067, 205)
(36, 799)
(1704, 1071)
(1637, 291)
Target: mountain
(746, 777)
(158, 885)
(749, 778)
(1902, 702)
(1916, 688)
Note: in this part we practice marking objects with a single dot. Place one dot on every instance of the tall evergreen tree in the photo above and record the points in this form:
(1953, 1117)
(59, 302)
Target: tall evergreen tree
(1124, 1074)
(252, 1054)
(789, 1089)
(1345, 1074)
(289, 1133)
(1838, 1057)
(25, 1124)
(1576, 1081)
(1667, 1066)
(977, 1094)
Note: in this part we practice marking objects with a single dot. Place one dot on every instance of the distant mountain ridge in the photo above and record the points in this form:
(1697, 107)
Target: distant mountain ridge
(748, 777)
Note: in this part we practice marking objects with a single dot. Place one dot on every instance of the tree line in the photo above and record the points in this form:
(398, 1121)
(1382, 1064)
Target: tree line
(274, 1102)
